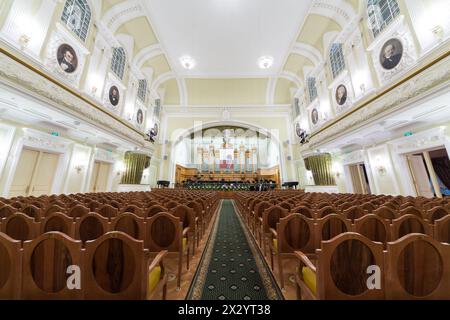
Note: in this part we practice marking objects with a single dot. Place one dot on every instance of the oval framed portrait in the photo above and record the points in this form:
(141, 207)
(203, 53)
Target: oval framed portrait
(341, 94)
(67, 58)
(314, 116)
(114, 96)
(298, 130)
(391, 54)
(140, 117)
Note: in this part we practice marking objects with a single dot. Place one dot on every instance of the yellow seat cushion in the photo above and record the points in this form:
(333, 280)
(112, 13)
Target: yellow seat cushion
(309, 277)
(275, 244)
(184, 243)
(153, 278)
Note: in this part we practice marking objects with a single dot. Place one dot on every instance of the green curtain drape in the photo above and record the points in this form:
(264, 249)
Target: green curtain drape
(135, 164)
(321, 168)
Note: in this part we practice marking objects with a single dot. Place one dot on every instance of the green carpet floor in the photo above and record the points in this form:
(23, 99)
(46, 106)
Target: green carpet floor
(232, 267)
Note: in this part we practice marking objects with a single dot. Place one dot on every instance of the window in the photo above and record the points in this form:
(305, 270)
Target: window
(337, 59)
(296, 107)
(142, 90)
(118, 62)
(157, 108)
(77, 16)
(312, 89)
(381, 13)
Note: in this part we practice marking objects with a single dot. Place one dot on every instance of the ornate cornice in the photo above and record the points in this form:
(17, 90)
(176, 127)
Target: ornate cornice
(418, 85)
(35, 82)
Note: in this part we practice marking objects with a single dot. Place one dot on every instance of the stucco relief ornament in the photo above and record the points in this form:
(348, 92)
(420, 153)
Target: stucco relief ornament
(226, 115)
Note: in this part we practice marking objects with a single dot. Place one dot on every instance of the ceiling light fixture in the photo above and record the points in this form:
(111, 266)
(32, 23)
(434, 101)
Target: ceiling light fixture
(187, 62)
(265, 62)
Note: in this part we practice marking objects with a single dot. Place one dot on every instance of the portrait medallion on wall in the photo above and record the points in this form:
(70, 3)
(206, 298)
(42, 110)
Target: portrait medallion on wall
(114, 96)
(314, 116)
(298, 130)
(67, 58)
(341, 95)
(391, 54)
(140, 117)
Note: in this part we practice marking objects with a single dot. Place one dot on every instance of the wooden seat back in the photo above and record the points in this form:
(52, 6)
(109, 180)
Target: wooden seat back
(418, 268)
(130, 224)
(10, 268)
(91, 227)
(46, 260)
(58, 222)
(342, 268)
(114, 268)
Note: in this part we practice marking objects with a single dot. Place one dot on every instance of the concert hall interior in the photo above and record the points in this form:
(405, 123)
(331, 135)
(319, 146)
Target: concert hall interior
(224, 149)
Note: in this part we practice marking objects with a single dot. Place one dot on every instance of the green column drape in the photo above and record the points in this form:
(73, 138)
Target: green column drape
(321, 168)
(135, 164)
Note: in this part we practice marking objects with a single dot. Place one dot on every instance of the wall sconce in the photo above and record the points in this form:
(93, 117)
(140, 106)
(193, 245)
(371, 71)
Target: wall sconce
(120, 167)
(24, 40)
(381, 170)
(79, 168)
(94, 90)
(336, 169)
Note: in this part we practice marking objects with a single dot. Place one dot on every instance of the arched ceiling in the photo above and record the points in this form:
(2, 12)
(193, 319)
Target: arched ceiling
(159, 31)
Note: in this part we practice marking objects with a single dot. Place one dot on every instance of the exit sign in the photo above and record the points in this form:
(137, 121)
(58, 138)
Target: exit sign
(56, 134)
(408, 134)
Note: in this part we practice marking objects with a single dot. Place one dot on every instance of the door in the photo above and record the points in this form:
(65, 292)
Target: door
(34, 174)
(45, 174)
(24, 173)
(420, 176)
(103, 175)
(94, 177)
(100, 175)
(359, 179)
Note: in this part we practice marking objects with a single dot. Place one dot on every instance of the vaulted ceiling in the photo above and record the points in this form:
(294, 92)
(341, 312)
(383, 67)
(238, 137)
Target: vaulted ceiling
(226, 38)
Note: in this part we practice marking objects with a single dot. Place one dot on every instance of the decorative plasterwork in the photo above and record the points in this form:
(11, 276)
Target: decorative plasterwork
(309, 52)
(104, 155)
(291, 76)
(147, 54)
(337, 10)
(421, 141)
(25, 79)
(42, 141)
(353, 157)
(121, 13)
(270, 93)
(415, 88)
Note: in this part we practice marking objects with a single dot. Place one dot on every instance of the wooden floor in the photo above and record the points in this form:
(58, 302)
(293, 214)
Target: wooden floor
(188, 275)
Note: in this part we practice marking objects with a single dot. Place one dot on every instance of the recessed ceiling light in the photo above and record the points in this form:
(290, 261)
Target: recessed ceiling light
(265, 62)
(187, 62)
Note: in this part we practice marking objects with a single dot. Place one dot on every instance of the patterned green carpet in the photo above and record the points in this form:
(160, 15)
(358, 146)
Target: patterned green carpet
(232, 267)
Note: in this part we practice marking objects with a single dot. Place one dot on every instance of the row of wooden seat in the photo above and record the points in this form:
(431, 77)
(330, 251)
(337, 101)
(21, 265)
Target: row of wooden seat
(162, 232)
(351, 266)
(55, 266)
(297, 224)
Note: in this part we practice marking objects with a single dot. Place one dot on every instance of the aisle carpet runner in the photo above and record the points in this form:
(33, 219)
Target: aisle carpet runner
(232, 266)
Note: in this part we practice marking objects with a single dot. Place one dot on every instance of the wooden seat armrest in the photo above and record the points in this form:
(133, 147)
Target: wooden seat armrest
(304, 258)
(185, 231)
(274, 232)
(260, 219)
(158, 260)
